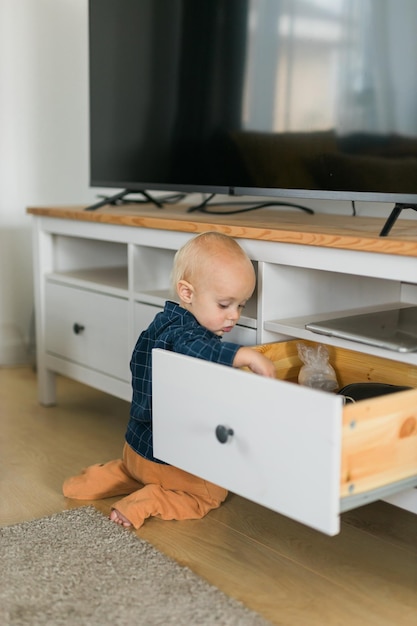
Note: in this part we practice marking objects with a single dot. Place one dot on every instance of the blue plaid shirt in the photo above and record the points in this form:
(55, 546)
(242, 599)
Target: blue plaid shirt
(177, 330)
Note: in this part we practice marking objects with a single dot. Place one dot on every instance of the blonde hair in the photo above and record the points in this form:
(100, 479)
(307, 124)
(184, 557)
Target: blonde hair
(189, 259)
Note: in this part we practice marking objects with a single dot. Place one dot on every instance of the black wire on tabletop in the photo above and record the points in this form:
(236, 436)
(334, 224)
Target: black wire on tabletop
(119, 199)
(169, 199)
(202, 207)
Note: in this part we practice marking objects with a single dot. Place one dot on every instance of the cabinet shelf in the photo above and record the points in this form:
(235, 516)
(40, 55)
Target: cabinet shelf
(295, 327)
(113, 279)
(249, 315)
(156, 297)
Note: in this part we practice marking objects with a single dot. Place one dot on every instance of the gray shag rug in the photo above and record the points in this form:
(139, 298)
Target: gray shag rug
(78, 568)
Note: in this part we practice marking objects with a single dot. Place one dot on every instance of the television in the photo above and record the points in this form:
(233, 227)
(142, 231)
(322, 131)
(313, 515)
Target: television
(292, 99)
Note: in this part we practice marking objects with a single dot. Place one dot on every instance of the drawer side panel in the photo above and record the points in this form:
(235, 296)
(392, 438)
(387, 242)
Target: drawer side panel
(379, 442)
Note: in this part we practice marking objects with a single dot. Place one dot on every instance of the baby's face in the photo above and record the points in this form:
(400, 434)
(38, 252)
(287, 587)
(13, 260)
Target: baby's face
(219, 298)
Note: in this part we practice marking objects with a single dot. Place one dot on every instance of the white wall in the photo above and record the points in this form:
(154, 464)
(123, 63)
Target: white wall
(43, 142)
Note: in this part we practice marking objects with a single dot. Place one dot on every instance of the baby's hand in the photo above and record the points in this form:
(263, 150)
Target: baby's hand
(255, 361)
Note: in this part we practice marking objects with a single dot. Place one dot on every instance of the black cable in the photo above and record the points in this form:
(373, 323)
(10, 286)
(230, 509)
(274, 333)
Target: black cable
(201, 208)
(173, 198)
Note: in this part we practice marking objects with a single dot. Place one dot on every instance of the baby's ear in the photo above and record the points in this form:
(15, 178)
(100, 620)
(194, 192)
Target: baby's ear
(185, 291)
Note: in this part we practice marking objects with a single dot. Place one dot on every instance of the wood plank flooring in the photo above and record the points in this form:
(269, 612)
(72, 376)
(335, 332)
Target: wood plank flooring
(294, 576)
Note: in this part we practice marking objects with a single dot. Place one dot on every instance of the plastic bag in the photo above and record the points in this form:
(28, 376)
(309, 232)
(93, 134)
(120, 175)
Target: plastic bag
(316, 371)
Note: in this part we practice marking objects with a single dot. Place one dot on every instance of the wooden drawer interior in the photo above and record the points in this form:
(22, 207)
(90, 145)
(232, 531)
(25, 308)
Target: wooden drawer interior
(379, 435)
(350, 366)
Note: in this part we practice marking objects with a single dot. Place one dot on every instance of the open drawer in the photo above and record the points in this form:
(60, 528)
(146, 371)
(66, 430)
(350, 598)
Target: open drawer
(293, 449)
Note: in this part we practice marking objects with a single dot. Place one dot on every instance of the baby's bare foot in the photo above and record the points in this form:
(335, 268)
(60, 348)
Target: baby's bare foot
(120, 519)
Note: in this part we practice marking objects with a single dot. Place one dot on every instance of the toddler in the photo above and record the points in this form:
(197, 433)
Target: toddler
(213, 279)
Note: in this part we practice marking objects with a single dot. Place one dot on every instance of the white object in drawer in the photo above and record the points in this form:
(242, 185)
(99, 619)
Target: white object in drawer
(77, 328)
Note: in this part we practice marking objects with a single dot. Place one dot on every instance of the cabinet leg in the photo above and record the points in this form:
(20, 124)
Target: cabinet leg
(46, 387)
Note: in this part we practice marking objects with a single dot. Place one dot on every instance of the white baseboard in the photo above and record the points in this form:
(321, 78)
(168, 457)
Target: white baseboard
(14, 351)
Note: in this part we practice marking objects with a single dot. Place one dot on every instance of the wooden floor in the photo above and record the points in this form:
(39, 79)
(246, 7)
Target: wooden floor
(294, 576)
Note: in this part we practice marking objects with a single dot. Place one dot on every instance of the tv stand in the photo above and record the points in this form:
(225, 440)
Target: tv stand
(394, 216)
(118, 198)
(106, 275)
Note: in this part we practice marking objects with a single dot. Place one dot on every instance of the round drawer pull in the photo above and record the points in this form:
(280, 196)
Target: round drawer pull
(223, 433)
(78, 328)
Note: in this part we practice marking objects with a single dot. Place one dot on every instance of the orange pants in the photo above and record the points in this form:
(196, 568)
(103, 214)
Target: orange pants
(155, 490)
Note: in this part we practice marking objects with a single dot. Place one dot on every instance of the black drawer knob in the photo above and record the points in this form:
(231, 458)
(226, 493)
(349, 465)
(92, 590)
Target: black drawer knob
(78, 328)
(223, 433)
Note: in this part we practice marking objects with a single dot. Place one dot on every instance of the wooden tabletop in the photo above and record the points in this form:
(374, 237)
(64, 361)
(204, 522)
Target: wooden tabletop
(320, 229)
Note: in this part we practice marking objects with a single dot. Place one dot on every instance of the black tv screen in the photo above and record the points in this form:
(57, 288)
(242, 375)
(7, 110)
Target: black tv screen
(295, 98)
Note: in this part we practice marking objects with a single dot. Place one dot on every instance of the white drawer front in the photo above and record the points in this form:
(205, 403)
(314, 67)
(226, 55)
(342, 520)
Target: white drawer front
(285, 449)
(77, 329)
(243, 335)
(143, 316)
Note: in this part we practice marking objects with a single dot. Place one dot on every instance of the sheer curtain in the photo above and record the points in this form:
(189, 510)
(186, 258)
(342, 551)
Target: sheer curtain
(334, 65)
(365, 97)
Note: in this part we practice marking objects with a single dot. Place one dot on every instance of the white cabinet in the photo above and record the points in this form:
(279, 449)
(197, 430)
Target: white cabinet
(100, 278)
